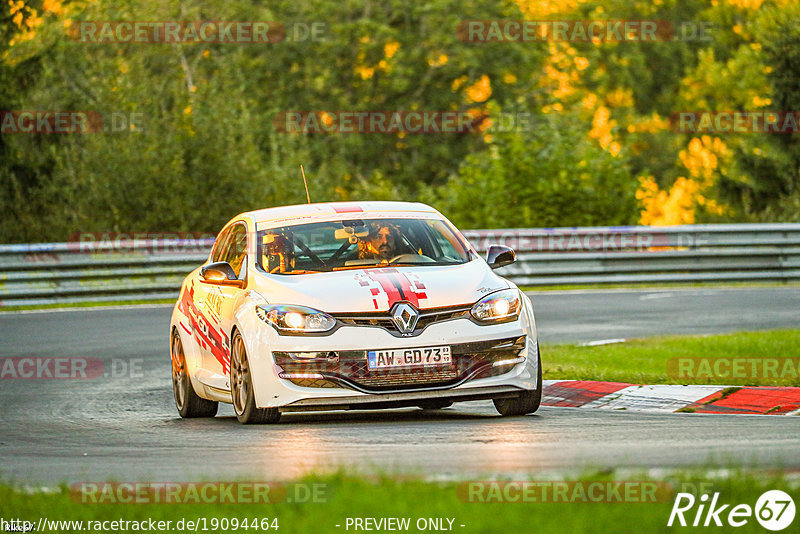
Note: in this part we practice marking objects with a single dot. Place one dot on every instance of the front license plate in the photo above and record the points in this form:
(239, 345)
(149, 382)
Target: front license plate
(419, 357)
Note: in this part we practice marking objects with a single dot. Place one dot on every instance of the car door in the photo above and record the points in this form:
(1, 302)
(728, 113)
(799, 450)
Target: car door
(205, 314)
(221, 303)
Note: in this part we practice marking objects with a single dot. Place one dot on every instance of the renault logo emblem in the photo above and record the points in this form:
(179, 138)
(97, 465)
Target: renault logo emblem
(404, 317)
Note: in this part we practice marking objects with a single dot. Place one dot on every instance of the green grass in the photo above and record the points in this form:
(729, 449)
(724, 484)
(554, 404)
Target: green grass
(349, 496)
(645, 361)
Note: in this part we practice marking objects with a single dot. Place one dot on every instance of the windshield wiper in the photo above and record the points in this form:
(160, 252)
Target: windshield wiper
(424, 263)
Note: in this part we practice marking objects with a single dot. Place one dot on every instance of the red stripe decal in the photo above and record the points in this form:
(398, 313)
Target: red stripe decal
(348, 208)
(215, 341)
(387, 285)
(406, 289)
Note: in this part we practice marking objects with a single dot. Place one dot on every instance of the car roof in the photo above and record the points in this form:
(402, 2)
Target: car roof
(330, 211)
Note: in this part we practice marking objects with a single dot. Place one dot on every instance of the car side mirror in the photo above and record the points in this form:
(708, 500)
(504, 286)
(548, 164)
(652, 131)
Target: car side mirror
(499, 256)
(220, 274)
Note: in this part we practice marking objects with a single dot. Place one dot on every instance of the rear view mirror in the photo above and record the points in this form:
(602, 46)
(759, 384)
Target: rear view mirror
(499, 256)
(220, 274)
(349, 232)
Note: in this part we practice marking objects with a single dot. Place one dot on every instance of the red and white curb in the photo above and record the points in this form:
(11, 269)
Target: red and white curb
(672, 398)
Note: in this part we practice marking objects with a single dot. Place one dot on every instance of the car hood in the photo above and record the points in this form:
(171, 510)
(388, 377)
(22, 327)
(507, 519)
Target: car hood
(378, 289)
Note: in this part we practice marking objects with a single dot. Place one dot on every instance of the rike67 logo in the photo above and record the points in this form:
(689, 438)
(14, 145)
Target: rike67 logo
(774, 510)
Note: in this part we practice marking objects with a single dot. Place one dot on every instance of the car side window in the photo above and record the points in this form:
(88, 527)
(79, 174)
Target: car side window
(235, 249)
(219, 245)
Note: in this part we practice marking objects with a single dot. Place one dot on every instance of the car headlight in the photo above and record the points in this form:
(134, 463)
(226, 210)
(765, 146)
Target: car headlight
(295, 319)
(498, 307)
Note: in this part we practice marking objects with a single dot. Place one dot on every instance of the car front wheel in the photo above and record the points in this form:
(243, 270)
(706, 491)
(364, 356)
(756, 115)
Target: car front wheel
(242, 394)
(189, 403)
(527, 402)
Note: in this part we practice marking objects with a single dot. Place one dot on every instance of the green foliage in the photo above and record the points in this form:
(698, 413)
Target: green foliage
(550, 175)
(205, 144)
(206, 147)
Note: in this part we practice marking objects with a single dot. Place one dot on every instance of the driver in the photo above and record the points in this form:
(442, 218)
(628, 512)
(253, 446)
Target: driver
(383, 243)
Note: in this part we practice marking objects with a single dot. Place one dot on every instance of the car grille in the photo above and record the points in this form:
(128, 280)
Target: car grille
(384, 320)
(350, 369)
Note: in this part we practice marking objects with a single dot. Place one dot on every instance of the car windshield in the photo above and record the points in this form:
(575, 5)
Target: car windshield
(358, 244)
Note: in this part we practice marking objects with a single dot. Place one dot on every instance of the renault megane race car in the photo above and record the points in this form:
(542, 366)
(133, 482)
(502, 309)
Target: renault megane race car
(350, 306)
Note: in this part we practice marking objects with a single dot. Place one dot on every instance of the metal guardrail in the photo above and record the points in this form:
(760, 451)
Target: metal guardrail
(146, 270)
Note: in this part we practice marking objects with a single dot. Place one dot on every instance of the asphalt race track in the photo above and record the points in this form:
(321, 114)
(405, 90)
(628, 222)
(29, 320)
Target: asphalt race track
(126, 427)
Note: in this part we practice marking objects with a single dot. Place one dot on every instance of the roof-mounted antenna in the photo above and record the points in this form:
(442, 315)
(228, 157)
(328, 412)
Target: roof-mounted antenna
(308, 197)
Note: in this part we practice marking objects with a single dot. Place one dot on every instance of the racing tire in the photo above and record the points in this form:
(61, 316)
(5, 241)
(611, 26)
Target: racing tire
(242, 394)
(188, 402)
(527, 402)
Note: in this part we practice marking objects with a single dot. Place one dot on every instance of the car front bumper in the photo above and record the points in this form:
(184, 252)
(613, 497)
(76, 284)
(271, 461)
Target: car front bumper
(488, 362)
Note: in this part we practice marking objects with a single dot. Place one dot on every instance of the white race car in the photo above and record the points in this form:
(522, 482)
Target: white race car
(350, 306)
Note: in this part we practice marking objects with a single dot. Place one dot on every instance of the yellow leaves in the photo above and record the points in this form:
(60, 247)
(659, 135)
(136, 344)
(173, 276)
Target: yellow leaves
(438, 61)
(652, 124)
(761, 102)
(700, 157)
(458, 82)
(341, 192)
(543, 8)
(589, 101)
(365, 72)
(390, 48)
(581, 63)
(602, 126)
(206, 53)
(187, 110)
(667, 208)
(509, 78)
(26, 19)
(52, 6)
(746, 4)
(678, 205)
(563, 81)
(620, 98)
(480, 91)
